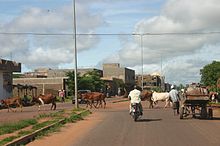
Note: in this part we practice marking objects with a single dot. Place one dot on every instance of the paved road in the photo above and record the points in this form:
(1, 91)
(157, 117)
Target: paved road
(157, 127)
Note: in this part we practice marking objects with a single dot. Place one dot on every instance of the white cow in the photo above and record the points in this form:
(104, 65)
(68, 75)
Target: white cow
(163, 96)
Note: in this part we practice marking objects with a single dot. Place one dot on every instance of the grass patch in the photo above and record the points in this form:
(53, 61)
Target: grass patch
(55, 117)
(8, 139)
(22, 132)
(41, 125)
(56, 114)
(11, 127)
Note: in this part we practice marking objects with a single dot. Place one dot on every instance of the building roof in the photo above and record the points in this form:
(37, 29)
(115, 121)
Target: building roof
(11, 66)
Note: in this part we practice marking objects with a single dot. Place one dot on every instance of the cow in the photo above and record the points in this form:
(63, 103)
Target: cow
(12, 101)
(45, 99)
(163, 96)
(147, 95)
(91, 97)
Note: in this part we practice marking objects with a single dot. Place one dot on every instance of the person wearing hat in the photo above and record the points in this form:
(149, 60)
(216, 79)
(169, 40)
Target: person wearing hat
(174, 96)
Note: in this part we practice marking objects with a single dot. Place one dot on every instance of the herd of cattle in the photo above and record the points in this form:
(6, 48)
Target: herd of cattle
(94, 99)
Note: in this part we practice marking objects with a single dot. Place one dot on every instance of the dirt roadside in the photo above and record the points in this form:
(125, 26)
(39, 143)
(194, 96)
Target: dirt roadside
(70, 133)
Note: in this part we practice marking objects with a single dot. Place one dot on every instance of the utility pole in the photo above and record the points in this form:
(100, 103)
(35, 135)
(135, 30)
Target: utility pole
(142, 63)
(75, 55)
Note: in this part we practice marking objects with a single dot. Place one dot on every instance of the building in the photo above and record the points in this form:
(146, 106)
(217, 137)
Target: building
(113, 70)
(49, 80)
(6, 70)
(52, 80)
(112, 73)
(50, 73)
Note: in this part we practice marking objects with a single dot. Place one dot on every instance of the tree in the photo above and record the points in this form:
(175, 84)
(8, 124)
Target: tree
(92, 81)
(210, 74)
(89, 81)
(70, 81)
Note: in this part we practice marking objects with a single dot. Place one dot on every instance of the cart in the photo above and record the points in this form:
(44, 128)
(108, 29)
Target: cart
(196, 105)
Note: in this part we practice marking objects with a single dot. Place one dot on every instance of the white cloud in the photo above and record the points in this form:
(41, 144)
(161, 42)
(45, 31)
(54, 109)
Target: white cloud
(182, 54)
(28, 49)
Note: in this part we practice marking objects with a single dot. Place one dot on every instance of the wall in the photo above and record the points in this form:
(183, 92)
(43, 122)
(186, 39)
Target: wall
(44, 85)
(5, 85)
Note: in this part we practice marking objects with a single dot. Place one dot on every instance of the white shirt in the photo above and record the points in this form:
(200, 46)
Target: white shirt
(135, 96)
(174, 95)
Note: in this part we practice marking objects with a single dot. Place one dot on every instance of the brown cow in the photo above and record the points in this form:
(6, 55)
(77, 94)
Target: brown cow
(12, 101)
(45, 99)
(91, 97)
(146, 95)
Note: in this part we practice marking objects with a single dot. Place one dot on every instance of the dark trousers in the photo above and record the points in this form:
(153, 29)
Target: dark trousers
(176, 106)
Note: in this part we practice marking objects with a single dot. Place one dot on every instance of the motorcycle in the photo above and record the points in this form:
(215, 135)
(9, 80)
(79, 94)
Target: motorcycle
(135, 111)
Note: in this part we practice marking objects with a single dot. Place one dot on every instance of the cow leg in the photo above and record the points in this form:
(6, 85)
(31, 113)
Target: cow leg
(38, 107)
(19, 105)
(104, 103)
(151, 104)
(8, 108)
(94, 103)
(53, 107)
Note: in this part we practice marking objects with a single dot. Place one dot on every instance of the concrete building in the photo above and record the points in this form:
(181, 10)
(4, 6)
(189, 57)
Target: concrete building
(113, 70)
(50, 73)
(49, 80)
(6, 70)
(52, 80)
(44, 85)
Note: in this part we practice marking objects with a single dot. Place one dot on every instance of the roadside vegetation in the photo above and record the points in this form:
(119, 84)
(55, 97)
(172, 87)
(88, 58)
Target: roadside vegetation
(210, 75)
(89, 81)
(14, 130)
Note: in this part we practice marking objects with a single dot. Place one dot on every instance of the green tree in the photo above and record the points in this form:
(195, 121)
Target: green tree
(210, 74)
(92, 81)
(70, 81)
(89, 81)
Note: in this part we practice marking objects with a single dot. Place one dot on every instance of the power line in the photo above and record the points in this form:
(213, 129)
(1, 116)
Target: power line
(110, 34)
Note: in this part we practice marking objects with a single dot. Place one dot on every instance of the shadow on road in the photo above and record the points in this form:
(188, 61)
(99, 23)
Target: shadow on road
(148, 120)
(214, 118)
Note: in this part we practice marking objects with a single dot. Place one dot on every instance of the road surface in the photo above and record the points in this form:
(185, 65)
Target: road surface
(114, 127)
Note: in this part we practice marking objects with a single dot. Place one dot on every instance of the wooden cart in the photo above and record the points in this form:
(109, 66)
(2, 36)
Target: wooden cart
(196, 105)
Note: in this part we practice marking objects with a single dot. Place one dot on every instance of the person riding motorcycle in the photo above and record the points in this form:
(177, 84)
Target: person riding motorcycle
(135, 97)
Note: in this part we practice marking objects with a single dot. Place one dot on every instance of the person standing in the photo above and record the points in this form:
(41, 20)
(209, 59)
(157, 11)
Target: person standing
(174, 96)
(62, 95)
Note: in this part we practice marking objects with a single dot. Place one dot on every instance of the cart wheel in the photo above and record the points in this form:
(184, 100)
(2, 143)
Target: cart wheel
(181, 112)
(193, 111)
(204, 112)
(210, 113)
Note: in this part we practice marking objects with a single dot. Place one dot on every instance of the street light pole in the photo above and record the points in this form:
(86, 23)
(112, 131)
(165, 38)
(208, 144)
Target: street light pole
(75, 55)
(142, 63)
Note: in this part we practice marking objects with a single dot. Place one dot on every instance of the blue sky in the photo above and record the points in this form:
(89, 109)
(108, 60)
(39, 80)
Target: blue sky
(178, 57)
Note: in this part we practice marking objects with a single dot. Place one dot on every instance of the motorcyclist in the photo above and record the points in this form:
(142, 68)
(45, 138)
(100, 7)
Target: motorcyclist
(135, 97)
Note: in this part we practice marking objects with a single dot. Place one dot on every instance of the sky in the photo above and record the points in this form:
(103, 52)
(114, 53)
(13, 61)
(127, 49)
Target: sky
(174, 37)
